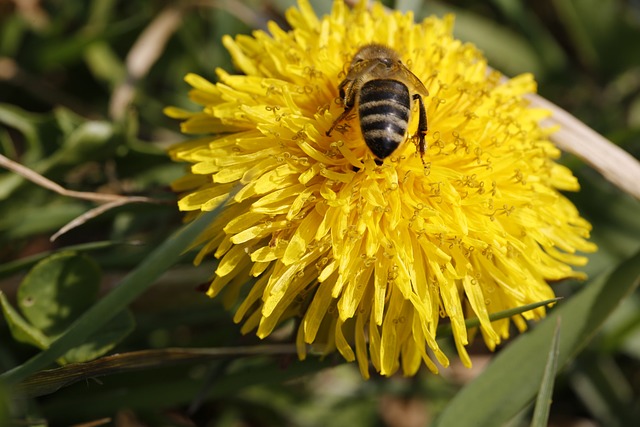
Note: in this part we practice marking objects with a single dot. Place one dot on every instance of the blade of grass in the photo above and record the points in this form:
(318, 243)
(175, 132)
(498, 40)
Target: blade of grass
(568, 14)
(543, 401)
(134, 284)
(472, 322)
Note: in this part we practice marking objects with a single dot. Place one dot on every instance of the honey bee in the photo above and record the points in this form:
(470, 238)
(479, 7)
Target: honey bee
(383, 88)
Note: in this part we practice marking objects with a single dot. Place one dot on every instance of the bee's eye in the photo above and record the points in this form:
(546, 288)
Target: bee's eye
(388, 62)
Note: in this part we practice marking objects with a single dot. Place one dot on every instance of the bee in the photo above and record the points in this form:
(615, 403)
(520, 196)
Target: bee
(383, 89)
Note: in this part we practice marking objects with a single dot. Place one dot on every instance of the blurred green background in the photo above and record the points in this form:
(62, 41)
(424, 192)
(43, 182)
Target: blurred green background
(82, 88)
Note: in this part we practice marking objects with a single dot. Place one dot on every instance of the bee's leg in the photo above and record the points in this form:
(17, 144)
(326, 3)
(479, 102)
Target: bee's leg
(422, 126)
(349, 101)
(342, 116)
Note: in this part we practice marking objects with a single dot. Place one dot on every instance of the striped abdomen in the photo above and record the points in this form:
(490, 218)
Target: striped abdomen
(384, 107)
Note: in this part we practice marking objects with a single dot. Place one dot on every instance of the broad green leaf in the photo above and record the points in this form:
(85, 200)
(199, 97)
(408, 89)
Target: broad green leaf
(506, 380)
(139, 280)
(95, 346)
(20, 329)
(58, 290)
(102, 340)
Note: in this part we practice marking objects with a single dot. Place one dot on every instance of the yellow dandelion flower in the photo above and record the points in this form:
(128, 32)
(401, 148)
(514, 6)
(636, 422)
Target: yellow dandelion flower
(372, 255)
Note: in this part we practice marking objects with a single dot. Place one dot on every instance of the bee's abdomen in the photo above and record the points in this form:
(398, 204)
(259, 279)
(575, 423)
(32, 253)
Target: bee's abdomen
(384, 112)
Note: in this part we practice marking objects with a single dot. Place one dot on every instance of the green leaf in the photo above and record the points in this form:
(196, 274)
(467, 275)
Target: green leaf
(103, 340)
(13, 30)
(58, 52)
(87, 142)
(104, 63)
(134, 284)
(41, 213)
(21, 120)
(58, 290)
(13, 267)
(41, 132)
(622, 330)
(543, 402)
(53, 140)
(64, 51)
(20, 329)
(67, 120)
(53, 295)
(5, 410)
(101, 13)
(506, 380)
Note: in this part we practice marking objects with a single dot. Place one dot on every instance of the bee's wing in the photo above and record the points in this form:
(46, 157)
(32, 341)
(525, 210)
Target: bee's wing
(414, 81)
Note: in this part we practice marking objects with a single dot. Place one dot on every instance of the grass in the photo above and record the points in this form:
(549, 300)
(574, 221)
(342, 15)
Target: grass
(82, 88)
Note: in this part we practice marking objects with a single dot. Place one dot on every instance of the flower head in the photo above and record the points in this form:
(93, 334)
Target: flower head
(371, 257)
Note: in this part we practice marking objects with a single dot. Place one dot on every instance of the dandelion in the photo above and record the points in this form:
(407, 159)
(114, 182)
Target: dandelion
(372, 257)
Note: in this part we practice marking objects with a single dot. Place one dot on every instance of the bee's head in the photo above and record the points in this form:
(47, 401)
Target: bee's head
(376, 51)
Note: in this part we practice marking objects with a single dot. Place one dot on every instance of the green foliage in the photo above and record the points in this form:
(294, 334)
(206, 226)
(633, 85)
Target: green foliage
(507, 379)
(120, 292)
(544, 399)
(53, 295)
(57, 290)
